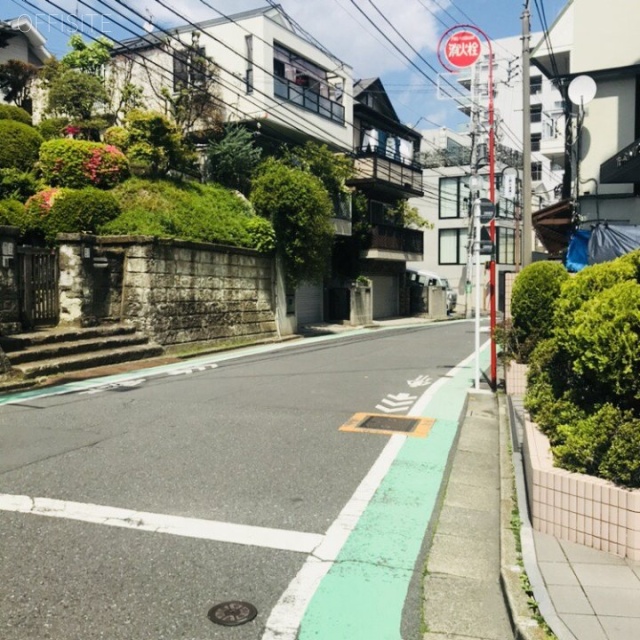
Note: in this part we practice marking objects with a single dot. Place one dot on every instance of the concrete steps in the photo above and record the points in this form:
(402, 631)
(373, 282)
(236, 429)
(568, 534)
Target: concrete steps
(53, 351)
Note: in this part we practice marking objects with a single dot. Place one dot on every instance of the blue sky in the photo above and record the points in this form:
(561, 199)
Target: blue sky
(338, 24)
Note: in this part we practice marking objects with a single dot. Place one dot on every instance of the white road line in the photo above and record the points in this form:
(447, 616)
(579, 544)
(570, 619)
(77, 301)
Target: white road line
(286, 616)
(159, 523)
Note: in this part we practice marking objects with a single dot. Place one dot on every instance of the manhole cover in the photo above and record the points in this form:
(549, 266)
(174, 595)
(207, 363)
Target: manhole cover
(389, 425)
(233, 613)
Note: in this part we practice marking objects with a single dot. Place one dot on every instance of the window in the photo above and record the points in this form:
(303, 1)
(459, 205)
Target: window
(506, 249)
(536, 170)
(189, 68)
(249, 47)
(535, 141)
(453, 197)
(452, 246)
(535, 82)
(536, 113)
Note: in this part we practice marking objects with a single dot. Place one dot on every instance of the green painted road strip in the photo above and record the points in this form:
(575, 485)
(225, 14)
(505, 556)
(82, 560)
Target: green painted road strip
(363, 594)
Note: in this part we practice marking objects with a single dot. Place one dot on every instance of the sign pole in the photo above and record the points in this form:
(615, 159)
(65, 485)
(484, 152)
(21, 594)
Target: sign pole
(476, 252)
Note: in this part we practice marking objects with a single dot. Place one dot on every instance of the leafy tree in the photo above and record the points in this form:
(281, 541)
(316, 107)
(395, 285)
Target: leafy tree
(89, 58)
(15, 81)
(300, 210)
(152, 142)
(19, 145)
(76, 94)
(232, 160)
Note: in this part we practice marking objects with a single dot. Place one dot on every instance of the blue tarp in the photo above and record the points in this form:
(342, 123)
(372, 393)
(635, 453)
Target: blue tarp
(609, 242)
(578, 251)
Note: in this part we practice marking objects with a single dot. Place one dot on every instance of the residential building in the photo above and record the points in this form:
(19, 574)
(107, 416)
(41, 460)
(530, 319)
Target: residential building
(602, 148)
(387, 174)
(267, 77)
(20, 40)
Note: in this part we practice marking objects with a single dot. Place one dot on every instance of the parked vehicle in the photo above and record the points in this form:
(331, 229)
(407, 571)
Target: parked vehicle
(430, 279)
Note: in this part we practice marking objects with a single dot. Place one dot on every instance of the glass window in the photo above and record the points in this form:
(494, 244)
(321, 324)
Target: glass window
(536, 113)
(535, 83)
(535, 141)
(452, 246)
(536, 170)
(453, 197)
(506, 246)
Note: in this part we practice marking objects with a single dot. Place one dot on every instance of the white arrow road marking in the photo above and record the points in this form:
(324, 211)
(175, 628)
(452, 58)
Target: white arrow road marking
(282, 539)
(396, 403)
(188, 370)
(401, 396)
(115, 385)
(420, 381)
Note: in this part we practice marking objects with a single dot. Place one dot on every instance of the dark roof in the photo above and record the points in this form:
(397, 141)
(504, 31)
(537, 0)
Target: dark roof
(554, 225)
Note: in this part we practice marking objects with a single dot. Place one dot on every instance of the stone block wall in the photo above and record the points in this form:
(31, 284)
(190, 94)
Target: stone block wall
(9, 304)
(176, 292)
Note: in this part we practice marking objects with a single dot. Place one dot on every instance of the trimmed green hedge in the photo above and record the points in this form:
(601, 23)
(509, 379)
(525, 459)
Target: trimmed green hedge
(17, 185)
(188, 210)
(19, 145)
(11, 112)
(584, 381)
(79, 163)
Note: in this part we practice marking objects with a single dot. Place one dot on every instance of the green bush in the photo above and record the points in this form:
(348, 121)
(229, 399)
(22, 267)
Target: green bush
(534, 295)
(11, 112)
(84, 210)
(19, 145)
(17, 185)
(584, 442)
(300, 209)
(621, 463)
(603, 341)
(12, 214)
(79, 163)
(52, 128)
(188, 210)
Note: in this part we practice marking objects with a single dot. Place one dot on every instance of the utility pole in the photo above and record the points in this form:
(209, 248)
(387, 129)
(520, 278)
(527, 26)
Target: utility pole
(527, 228)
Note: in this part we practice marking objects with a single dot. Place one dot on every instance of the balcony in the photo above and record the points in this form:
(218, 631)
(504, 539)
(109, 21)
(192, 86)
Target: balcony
(375, 168)
(389, 242)
(623, 167)
(308, 99)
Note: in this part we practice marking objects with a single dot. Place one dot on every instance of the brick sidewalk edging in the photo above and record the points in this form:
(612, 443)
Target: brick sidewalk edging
(577, 507)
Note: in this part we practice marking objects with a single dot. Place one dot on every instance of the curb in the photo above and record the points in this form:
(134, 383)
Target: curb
(524, 625)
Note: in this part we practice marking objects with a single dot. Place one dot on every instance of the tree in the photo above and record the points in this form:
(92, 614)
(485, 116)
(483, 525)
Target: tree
(152, 142)
(76, 94)
(232, 160)
(15, 82)
(194, 100)
(300, 210)
(89, 58)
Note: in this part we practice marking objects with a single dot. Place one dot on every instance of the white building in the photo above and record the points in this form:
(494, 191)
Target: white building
(268, 74)
(601, 43)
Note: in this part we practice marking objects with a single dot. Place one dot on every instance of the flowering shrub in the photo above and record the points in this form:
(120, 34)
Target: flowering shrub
(79, 163)
(70, 211)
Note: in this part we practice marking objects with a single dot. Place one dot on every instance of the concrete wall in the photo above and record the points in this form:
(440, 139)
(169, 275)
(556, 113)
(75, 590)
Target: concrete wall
(176, 292)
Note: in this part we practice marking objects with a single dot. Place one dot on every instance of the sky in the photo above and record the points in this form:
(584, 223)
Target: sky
(395, 40)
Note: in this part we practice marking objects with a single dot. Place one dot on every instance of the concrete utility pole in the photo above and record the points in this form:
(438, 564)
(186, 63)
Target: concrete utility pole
(527, 227)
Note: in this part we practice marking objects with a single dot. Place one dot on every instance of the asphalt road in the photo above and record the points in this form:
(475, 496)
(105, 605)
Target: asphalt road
(249, 438)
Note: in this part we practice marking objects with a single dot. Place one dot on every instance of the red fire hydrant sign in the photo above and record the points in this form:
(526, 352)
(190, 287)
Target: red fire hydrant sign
(462, 49)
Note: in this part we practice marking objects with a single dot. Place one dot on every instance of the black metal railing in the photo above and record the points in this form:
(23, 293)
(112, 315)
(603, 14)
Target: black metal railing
(374, 163)
(308, 99)
(391, 238)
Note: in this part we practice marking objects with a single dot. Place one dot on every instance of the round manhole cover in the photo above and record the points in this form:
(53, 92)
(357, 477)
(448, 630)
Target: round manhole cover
(233, 613)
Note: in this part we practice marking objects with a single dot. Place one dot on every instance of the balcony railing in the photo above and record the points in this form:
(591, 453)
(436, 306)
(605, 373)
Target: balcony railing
(308, 99)
(390, 238)
(375, 164)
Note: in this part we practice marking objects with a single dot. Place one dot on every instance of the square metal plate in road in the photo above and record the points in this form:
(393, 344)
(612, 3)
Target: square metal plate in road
(416, 427)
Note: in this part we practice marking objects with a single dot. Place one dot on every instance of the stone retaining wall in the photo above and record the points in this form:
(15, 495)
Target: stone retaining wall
(176, 292)
(577, 507)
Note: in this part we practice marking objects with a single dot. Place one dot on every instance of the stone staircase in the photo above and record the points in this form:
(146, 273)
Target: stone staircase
(53, 351)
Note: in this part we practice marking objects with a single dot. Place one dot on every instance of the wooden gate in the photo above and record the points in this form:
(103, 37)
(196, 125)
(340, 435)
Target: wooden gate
(38, 286)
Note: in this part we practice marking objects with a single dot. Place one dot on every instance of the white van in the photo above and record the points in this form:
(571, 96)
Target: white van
(430, 279)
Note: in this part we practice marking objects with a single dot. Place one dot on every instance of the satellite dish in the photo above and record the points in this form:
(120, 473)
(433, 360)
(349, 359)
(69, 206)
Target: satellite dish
(582, 90)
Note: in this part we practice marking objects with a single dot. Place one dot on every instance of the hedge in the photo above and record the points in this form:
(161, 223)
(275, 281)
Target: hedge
(19, 145)
(11, 112)
(79, 163)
